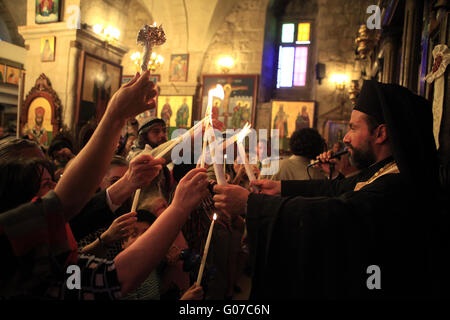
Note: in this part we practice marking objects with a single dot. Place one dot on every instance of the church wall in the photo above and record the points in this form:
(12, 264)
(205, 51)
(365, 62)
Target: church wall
(58, 70)
(69, 42)
(241, 37)
(337, 25)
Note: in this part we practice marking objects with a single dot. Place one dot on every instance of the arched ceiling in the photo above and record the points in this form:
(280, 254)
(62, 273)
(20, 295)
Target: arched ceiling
(189, 24)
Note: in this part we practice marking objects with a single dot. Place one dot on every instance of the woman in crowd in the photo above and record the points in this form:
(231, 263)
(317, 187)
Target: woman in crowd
(36, 242)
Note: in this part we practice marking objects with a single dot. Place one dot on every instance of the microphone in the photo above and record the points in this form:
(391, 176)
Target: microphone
(334, 156)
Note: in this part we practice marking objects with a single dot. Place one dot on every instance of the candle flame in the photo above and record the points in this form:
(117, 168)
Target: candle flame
(215, 216)
(154, 24)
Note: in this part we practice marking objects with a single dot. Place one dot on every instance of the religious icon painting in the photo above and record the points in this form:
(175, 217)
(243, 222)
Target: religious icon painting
(289, 116)
(239, 103)
(179, 65)
(47, 49)
(47, 11)
(335, 131)
(39, 122)
(12, 75)
(41, 116)
(100, 79)
(2, 73)
(176, 111)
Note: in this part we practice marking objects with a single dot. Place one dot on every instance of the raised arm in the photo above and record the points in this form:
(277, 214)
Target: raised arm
(148, 250)
(83, 176)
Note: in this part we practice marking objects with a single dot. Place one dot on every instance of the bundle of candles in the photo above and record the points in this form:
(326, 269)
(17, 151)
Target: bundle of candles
(241, 150)
(162, 154)
(238, 139)
(218, 171)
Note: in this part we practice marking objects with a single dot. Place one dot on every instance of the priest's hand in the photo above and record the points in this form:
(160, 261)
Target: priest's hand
(325, 161)
(269, 187)
(133, 98)
(191, 190)
(231, 199)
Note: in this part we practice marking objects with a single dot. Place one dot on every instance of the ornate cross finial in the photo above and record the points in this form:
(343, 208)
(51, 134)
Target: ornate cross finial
(150, 36)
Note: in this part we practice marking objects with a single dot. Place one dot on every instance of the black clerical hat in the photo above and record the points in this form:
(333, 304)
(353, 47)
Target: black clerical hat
(367, 101)
(409, 120)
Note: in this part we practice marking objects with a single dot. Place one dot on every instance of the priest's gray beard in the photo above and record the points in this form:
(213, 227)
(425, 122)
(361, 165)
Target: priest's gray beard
(361, 157)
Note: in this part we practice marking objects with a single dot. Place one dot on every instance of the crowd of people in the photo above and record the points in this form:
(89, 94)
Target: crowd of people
(303, 232)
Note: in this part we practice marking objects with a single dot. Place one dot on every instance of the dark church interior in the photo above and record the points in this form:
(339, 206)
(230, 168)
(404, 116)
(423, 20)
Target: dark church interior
(224, 150)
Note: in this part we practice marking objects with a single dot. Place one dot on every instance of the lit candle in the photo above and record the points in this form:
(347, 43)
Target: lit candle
(216, 92)
(205, 251)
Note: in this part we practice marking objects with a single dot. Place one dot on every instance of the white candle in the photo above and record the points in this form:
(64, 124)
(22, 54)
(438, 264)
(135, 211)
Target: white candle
(169, 147)
(218, 170)
(239, 139)
(217, 92)
(147, 149)
(202, 160)
(225, 166)
(205, 251)
(135, 200)
(177, 140)
(243, 155)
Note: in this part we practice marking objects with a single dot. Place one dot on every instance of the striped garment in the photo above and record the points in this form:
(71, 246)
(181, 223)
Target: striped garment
(37, 246)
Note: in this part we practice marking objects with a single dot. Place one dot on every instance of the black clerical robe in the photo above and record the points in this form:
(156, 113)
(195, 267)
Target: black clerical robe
(319, 237)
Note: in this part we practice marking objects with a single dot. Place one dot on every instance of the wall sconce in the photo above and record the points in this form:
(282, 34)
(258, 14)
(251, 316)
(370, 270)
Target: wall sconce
(320, 72)
(340, 80)
(225, 64)
(154, 63)
(110, 33)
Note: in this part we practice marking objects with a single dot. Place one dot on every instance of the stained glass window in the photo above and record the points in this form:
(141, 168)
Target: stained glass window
(303, 33)
(285, 66)
(293, 55)
(300, 65)
(287, 33)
